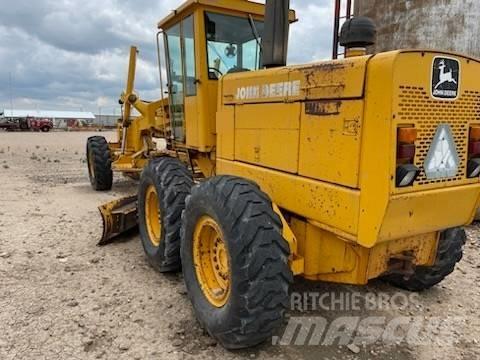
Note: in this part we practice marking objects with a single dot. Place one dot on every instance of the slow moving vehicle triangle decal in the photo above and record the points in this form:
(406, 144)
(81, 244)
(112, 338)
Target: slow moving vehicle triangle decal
(442, 160)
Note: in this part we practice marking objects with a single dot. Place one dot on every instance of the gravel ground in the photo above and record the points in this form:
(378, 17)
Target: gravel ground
(62, 297)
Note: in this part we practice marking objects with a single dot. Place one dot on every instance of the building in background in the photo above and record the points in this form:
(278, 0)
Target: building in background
(451, 25)
(64, 119)
(106, 121)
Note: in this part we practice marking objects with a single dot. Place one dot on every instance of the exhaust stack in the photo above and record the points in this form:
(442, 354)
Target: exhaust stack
(275, 41)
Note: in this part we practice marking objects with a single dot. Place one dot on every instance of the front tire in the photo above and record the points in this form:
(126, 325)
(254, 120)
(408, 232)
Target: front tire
(99, 163)
(235, 261)
(449, 253)
(45, 129)
(164, 185)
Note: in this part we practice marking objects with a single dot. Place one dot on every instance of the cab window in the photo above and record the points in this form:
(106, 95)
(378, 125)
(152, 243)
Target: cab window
(231, 44)
(189, 50)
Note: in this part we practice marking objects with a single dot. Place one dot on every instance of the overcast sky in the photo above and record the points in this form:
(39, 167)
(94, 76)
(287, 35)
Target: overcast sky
(73, 54)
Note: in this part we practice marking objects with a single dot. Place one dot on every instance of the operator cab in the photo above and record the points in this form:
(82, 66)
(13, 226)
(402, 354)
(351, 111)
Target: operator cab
(204, 40)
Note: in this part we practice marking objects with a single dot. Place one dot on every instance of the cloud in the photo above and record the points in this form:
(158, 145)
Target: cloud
(72, 54)
(311, 38)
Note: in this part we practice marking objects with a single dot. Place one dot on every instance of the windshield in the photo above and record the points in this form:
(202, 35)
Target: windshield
(231, 44)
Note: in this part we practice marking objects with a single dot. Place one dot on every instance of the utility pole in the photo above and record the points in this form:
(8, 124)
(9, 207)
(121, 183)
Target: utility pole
(11, 90)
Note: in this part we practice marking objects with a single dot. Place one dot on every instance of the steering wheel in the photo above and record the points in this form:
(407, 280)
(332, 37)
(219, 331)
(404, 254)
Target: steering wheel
(216, 70)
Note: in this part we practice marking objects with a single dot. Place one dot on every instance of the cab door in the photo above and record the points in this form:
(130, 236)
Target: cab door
(182, 81)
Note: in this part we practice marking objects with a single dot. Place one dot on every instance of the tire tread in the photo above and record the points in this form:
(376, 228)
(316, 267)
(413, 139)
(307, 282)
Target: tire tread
(102, 180)
(174, 182)
(260, 252)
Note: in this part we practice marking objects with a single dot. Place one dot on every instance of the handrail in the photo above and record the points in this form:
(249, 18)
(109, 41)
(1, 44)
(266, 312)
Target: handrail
(161, 89)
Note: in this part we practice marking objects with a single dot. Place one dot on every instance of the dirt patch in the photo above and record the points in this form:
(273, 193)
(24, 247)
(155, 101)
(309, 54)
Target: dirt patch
(62, 297)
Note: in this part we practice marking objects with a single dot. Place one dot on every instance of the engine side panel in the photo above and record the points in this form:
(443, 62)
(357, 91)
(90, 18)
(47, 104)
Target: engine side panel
(330, 140)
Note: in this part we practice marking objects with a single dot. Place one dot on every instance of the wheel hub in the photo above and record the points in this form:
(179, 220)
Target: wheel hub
(152, 216)
(211, 260)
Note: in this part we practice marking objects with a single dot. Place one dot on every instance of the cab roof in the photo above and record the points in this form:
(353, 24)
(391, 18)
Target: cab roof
(244, 6)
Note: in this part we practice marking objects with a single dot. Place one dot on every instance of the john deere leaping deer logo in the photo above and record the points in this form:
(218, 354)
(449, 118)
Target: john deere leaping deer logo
(445, 78)
(444, 75)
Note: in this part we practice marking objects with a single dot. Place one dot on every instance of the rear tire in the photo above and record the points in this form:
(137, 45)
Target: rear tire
(169, 181)
(449, 253)
(258, 271)
(99, 163)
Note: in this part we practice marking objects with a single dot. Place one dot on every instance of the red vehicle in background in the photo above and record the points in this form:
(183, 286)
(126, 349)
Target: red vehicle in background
(27, 124)
(44, 125)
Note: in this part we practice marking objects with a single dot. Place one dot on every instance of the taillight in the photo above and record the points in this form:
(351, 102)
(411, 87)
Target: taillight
(473, 167)
(406, 172)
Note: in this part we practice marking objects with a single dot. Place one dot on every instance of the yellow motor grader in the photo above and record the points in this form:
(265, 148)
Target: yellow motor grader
(252, 172)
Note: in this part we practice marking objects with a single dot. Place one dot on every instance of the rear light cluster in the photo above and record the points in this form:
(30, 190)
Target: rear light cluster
(473, 167)
(406, 172)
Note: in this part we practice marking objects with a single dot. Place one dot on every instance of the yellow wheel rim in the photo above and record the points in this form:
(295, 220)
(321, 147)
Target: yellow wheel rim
(152, 216)
(211, 261)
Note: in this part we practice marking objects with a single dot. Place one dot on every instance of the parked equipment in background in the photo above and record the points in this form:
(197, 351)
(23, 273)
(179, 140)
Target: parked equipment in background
(27, 124)
(9, 124)
(252, 172)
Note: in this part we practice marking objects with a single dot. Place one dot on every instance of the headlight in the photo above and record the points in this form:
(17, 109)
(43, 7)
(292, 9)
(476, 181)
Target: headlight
(406, 175)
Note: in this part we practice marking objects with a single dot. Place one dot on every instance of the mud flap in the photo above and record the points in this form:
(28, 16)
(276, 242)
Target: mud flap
(118, 217)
